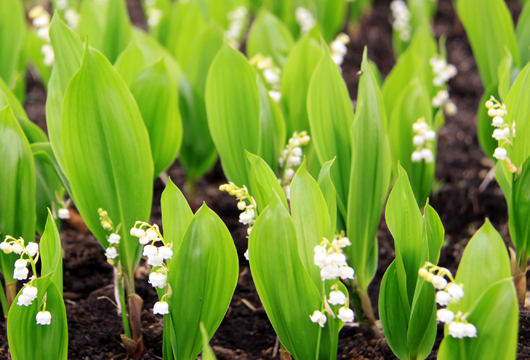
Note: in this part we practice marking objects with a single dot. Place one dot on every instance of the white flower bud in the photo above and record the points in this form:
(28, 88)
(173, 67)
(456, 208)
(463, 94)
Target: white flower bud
(439, 282)
(114, 239)
(456, 291)
(456, 330)
(288, 175)
(489, 105)
(500, 153)
(319, 318)
(470, 330)
(158, 280)
(161, 307)
(418, 140)
(242, 205)
(427, 155)
(492, 112)
(430, 135)
(247, 216)
(416, 156)
(445, 316)
(18, 249)
(497, 121)
(297, 151)
(271, 76)
(43, 318)
(165, 252)
(343, 242)
(346, 272)
(346, 315)
(337, 298)
(63, 214)
(443, 298)
(151, 234)
(144, 240)
(275, 95)
(6, 247)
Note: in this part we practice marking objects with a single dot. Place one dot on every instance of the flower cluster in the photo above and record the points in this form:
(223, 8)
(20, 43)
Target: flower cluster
(504, 132)
(29, 291)
(271, 74)
(332, 262)
(114, 239)
(41, 21)
(401, 16)
(423, 141)
(305, 19)
(246, 204)
(442, 73)
(291, 157)
(448, 293)
(338, 48)
(236, 25)
(148, 235)
(154, 14)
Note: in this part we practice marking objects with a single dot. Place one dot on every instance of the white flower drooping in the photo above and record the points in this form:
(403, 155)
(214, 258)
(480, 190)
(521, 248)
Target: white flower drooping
(346, 315)
(305, 19)
(44, 318)
(63, 214)
(41, 21)
(271, 73)
(401, 19)
(290, 158)
(319, 318)
(449, 293)
(237, 21)
(161, 308)
(504, 133)
(338, 48)
(424, 141)
(442, 72)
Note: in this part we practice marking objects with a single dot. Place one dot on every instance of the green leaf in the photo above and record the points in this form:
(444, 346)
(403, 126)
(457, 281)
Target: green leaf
(405, 223)
(118, 30)
(207, 352)
(328, 190)
(12, 30)
(520, 208)
(263, 182)
(51, 253)
(422, 324)
(130, 63)
(68, 49)
(489, 28)
(370, 177)
(203, 276)
(92, 21)
(311, 219)
(504, 74)
(272, 128)
(413, 103)
(522, 34)
(330, 116)
(176, 214)
(48, 188)
(433, 233)
(301, 62)
(48, 342)
(232, 104)
(518, 110)
(268, 36)
(157, 98)
(496, 318)
(44, 152)
(331, 15)
(17, 187)
(284, 286)
(117, 171)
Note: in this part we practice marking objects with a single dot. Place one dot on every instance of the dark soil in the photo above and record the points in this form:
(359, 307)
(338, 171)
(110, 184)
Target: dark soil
(245, 333)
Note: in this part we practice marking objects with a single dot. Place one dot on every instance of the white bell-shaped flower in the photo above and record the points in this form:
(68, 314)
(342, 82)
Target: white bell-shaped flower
(456, 330)
(329, 272)
(346, 272)
(443, 298)
(150, 250)
(6, 247)
(111, 252)
(63, 214)
(114, 239)
(30, 292)
(165, 252)
(21, 264)
(445, 316)
(247, 216)
(43, 318)
(151, 234)
(346, 315)
(456, 291)
(20, 274)
(18, 249)
(338, 259)
(319, 318)
(155, 260)
(337, 298)
(416, 156)
(144, 240)
(439, 282)
(161, 307)
(470, 330)
(158, 279)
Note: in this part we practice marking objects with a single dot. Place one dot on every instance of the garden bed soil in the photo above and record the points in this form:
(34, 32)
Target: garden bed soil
(245, 333)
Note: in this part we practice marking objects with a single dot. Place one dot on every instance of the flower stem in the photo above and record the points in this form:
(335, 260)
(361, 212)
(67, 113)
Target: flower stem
(125, 320)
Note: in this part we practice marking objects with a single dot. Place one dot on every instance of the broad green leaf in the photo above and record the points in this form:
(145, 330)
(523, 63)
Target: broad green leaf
(330, 116)
(176, 214)
(393, 312)
(68, 50)
(118, 30)
(331, 15)
(301, 62)
(522, 34)
(130, 63)
(311, 219)
(412, 104)
(218, 10)
(157, 98)
(504, 74)
(369, 178)
(48, 342)
(285, 10)
(405, 223)
(32, 131)
(519, 210)
(283, 284)
(203, 276)
(51, 253)
(48, 188)
(17, 187)
(422, 324)
(433, 233)
(263, 182)
(117, 171)
(272, 128)
(160, 30)
(233, 108)
(329, 192)
(496, 318)
(268, 36)
(485, 261)
(186, 21)
(518, 110)
(207, 352)
(489, 28)
(92, 21)
(12, 31)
